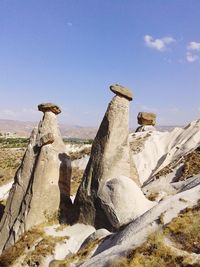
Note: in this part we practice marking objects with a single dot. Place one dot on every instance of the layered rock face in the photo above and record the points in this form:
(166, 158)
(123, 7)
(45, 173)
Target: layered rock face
(147, 121)
(110, 158)
(42, 183)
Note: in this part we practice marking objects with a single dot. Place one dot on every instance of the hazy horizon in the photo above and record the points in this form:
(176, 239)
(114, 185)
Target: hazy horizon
(69, 52)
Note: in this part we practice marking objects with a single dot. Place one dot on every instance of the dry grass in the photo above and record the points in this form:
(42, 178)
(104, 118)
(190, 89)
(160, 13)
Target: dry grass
(10, 159)
(191, 167)
(152, 253)
(35, 245)
(43, 248)
(184, 231)
(137, 143)
(80, 257)
(152, 196)
(169, 168)
(9, 256)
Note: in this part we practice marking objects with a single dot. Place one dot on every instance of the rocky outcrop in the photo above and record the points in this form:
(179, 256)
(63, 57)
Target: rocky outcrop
(42, 183)
(146, 118)
(145, 128)
(136, 232)
(110, 158)
(125, 200)
(147, 121)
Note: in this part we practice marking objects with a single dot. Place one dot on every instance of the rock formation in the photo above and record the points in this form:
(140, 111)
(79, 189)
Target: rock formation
(125, 200)
(147, 121)
(110, 158)
(42, 183)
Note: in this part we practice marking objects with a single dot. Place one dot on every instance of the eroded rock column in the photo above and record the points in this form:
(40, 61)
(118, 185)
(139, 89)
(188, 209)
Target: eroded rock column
(110, 158)
(42, 183)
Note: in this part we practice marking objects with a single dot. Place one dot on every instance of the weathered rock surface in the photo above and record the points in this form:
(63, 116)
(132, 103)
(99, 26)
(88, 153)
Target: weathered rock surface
(125, 200)
(163, 148)
(145, 128)
(136, 232)
(41, 185)
(146, 118)
(110, 158)
(121, 91)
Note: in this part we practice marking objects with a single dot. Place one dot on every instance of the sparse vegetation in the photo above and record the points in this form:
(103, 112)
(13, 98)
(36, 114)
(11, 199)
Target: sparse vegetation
(184, 231)
(153, 196)
(13, 142)
(36, 238)
(80, 153)
(10, 160)
(80, 257)
(43, 248)
(191, 167)
(9, 256)
(137, 143)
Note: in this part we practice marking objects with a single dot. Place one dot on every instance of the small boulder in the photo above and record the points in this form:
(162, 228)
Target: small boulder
(146, 118)
(123, 201)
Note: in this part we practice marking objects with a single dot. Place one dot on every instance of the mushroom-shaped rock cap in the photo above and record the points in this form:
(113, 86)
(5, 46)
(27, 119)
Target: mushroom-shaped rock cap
(49, 107)
(122, 91)
(146, 118)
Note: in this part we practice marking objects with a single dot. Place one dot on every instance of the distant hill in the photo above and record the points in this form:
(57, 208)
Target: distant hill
(24, 128)
(21, 128)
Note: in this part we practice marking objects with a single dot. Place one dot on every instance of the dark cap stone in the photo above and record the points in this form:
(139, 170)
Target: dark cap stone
(49, 107)
(121, 91)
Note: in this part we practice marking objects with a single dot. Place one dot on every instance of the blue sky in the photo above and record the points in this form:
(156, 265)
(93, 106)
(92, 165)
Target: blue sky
(70, 51)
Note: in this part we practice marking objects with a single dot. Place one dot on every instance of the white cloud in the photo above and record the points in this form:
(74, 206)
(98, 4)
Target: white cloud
(194, 46)
(191, 57)
(158, 44)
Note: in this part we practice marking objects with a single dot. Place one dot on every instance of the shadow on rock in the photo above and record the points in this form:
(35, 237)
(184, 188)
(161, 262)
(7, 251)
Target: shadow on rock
(66, 206)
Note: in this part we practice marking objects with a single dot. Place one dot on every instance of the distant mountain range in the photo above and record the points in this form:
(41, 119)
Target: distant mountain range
(24, 128)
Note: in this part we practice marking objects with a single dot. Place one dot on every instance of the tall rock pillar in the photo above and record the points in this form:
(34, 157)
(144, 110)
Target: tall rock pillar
(42, 183)
(110, 158)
